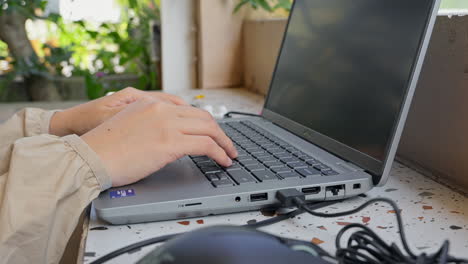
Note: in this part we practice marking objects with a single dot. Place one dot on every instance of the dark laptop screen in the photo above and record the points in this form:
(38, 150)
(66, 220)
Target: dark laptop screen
(345, 68)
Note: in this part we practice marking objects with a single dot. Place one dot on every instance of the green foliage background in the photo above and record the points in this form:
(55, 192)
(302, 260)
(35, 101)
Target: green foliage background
(93, 50)
(3, 50)
(267, 5)
(454, 4)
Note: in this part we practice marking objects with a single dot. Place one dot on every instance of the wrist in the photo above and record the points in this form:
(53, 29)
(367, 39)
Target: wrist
(59, 124)
(99, 144)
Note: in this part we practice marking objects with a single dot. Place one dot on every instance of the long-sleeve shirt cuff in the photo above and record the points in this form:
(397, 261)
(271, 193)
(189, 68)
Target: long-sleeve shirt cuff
(92, 159)
(37, 121)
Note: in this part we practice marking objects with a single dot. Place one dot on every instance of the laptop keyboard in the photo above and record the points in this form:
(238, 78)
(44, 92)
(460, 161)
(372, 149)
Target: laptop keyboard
(263, 157)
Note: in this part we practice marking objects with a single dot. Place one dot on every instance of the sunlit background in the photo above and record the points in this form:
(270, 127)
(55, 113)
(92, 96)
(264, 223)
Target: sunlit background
(110, 38)
(89, 10)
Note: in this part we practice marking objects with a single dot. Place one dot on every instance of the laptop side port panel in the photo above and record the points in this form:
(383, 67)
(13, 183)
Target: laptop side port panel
(334, 192)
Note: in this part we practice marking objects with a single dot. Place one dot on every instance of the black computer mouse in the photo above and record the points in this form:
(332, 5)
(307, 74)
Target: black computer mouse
(233, 245)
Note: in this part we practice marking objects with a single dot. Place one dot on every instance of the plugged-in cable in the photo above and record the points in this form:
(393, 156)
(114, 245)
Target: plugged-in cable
(364, 245)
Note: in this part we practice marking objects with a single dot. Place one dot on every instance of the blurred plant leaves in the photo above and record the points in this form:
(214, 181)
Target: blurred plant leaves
(267, 5)
(91, 48)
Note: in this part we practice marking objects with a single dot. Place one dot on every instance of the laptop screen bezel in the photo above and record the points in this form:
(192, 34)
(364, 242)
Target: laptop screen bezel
(373, 166)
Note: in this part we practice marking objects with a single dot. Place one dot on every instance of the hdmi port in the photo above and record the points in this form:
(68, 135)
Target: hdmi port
(311, 190)
(258, 197)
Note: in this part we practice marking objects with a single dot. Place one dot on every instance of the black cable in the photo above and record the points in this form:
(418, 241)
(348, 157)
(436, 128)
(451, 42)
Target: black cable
(161, 239)
(365, 246)
(229, 114)
(282, 217)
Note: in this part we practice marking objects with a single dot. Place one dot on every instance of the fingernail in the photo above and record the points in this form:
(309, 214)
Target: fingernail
(229, 162)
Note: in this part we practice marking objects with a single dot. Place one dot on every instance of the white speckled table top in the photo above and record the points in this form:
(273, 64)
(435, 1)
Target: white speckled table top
(431, 212)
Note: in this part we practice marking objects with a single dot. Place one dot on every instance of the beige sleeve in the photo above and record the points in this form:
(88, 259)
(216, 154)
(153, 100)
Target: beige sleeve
(45, 183)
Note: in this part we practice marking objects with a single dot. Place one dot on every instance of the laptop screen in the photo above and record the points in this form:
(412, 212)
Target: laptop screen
(345, 68)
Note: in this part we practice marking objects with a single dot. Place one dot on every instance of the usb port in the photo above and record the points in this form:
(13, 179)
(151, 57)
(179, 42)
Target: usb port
(311, 190)
(258, 197)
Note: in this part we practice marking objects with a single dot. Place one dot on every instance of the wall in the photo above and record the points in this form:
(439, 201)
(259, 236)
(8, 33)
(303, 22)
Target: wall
(220, 44)
(178, 22)
(436, 133)
(261, 41)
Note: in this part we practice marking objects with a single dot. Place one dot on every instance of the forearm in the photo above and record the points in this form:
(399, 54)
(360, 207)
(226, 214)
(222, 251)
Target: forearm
(48, 183)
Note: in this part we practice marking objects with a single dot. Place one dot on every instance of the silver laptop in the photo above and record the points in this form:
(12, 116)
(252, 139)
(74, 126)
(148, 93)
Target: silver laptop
(331, 124)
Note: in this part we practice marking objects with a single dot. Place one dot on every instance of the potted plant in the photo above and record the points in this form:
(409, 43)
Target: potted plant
(263, 32)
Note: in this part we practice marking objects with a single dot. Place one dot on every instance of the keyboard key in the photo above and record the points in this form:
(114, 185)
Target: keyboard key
(296, 165)
(308, 172)
(275, 150)
(280, 169)
(307, 158)
(201, 159)
(329, 172)
(283, 144)
(255, 150)
(313, 162)
(248, 162)
(290, 175)
(235, 162)
(290, 159)
(221, 175)
(267, 158)
(265, 175)
(291, 149)
(210, 169)
(283, 155)
(321, 167)
(301, 155)
(234, 167)
(268, 145)
(252, 146)
(222, 183)
(206, 164)
(246, 157)
(248, 145)
(242, 153)
(274, 164)
(212, 177)
(262, 154)
(280, 142)
(241, 177)
(295, 152)
(255, 167)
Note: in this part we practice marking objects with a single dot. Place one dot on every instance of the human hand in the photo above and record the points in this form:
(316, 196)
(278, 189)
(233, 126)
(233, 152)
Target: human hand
(83, 118)
(149, 134)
